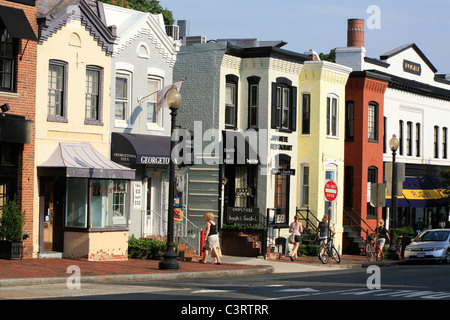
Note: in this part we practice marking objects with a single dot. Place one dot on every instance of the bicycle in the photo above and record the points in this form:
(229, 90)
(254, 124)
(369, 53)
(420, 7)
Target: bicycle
(372, 249)
(328, 250)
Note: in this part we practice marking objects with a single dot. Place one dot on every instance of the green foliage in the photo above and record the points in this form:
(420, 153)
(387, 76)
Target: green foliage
(145, 248)
(331, 56)
(12, 221)
(403, 231)
(151, 6)
(308, 250)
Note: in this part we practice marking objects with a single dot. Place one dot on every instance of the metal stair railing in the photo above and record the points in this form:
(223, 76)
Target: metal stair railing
(357, 227)
(311, 221)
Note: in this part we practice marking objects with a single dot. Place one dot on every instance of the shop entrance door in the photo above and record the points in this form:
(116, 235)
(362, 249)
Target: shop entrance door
(53, 215)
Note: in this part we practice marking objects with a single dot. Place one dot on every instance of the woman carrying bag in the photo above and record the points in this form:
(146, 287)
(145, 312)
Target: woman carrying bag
(212, 238)
(296, 228)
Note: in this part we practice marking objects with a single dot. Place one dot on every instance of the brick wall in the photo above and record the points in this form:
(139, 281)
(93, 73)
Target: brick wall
(239, 244)
(22, 103)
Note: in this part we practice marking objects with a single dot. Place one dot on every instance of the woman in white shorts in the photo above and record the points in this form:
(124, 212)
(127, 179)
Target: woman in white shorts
(212, 238)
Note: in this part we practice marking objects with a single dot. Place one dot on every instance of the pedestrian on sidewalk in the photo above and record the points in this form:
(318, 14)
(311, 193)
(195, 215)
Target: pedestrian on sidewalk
(212, 238)
(296, 227)
(382, 236)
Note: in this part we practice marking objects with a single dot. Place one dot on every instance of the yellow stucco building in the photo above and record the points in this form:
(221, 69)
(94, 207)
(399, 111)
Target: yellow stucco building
(321, 137)
(81, 196)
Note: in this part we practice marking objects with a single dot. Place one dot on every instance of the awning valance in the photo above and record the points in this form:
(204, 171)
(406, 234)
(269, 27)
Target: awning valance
(81, 160)
(140, 148)
(17, 23)
(15, 129)
(420, 193)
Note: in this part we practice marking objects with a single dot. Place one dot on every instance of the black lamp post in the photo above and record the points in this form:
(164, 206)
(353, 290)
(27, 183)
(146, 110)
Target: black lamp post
(392, 250)
(170, 261)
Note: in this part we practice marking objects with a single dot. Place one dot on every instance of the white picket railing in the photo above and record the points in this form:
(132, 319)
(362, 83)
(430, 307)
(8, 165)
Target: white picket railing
(155, 225)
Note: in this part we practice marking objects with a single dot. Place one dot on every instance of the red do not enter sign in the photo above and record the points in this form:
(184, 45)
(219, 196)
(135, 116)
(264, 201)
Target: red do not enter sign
(330, 190)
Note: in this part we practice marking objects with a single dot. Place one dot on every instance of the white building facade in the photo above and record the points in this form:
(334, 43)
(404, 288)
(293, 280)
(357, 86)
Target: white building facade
(417, 111)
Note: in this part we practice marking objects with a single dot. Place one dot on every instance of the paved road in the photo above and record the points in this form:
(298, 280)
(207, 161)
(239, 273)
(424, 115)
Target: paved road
(403, 282)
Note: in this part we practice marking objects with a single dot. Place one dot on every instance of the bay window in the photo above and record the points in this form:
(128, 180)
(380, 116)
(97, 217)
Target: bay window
(96, 203)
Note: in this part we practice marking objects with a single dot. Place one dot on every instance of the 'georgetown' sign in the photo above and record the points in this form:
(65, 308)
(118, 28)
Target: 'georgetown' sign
(242, 215)
(412, 67)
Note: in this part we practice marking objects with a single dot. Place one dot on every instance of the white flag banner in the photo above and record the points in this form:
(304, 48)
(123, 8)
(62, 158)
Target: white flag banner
(161, 96)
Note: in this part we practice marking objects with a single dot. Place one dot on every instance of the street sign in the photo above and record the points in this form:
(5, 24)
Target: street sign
(330, 190)
(377, 194)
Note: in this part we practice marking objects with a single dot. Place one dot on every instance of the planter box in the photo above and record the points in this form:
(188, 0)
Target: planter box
(11, 249)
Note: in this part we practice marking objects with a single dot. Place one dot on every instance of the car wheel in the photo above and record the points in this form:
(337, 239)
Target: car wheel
(447, 258)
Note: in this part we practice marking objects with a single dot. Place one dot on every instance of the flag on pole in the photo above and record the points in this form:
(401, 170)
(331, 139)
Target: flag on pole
(161, 96)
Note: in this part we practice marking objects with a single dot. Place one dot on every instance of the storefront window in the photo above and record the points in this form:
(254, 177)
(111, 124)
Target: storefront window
(76, 203)
(106, 202)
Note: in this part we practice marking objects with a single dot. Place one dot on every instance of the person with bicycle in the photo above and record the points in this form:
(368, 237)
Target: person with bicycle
(322, 232)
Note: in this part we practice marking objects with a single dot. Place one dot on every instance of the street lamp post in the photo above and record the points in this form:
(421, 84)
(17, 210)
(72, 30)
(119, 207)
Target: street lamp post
(392, 250)
(170, 261)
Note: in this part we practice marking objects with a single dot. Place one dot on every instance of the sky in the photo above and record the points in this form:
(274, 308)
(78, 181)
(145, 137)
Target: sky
(321, 25)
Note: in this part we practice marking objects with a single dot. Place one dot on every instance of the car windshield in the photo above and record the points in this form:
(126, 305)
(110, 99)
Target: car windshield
(433, 236)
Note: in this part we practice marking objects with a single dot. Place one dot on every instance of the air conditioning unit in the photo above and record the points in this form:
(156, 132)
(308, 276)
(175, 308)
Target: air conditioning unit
(173, 31)
(189, 41)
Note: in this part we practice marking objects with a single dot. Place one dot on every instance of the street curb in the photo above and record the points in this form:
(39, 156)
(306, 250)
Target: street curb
(138, 277)
(354, 265)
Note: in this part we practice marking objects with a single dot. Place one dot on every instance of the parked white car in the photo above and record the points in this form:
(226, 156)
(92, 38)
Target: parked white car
(430, 245)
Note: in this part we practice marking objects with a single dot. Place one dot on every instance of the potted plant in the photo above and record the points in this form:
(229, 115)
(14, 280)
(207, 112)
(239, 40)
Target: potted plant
(12, 221)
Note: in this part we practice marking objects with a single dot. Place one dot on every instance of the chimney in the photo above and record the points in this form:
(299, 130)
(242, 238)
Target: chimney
(312, 55)
(355, 33)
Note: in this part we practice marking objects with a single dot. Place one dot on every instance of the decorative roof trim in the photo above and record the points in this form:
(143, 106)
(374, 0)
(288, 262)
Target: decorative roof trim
(50, 23)
(147, 25)
(416, 87)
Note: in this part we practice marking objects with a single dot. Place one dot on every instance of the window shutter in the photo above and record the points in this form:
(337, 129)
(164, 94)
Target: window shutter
(294, 108)
(274, 106)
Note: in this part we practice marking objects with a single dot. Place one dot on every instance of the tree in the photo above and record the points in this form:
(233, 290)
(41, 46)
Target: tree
(328, 57)
(151, 6)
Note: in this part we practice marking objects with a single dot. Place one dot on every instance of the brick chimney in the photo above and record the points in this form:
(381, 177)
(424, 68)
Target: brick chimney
(312, 55)
(353, 54)
(355, 33)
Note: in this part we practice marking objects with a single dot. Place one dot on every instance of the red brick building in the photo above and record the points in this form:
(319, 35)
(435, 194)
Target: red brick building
(18, 47)
(364, 134)
(363, 144)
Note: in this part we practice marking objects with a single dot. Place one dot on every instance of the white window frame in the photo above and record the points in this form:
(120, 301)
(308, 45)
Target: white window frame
(332, 128)
(230, 106)
(152, 99)
(304, 186)
(123, 123)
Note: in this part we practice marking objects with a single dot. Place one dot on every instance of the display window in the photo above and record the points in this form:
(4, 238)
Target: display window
(96, 203)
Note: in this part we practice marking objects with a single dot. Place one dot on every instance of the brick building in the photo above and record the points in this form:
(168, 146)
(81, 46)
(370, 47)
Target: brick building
(18, 29)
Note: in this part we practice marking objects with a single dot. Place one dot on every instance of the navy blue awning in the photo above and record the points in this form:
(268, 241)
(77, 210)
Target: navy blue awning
(140, 148)
(421, 192)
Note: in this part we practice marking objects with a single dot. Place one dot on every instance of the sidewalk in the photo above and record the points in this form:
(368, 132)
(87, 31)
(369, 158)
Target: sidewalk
(44, 271)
